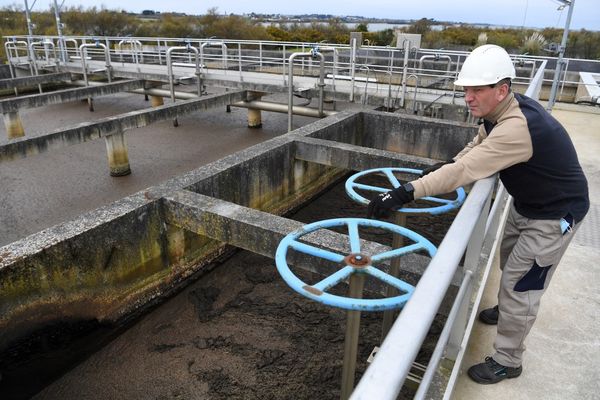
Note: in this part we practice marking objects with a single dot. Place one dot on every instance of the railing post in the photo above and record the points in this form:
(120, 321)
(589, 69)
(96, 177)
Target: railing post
(240, 61)
(405, 73)
(355, 290)
(352, 67)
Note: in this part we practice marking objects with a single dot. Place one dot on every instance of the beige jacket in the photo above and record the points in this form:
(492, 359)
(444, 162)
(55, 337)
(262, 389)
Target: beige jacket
(484, 155)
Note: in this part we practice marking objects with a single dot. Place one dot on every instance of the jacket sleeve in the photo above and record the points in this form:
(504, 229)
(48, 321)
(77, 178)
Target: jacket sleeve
(476, 140)
(509, 143)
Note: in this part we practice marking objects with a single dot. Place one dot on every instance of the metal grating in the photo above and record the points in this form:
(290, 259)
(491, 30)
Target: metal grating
(588, 233)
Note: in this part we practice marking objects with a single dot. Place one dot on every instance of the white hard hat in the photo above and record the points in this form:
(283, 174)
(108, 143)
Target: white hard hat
(486, 65)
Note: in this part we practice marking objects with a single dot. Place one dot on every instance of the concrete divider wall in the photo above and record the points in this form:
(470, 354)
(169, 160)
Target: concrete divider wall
(5, 71)
(276, 181)
(408, 134)
(94, 267)
(116, 260)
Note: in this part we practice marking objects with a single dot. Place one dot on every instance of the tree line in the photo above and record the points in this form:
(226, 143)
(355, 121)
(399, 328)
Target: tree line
(104, 22)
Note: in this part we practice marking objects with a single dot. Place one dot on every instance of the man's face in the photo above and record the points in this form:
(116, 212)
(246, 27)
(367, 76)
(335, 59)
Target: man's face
(482, 100)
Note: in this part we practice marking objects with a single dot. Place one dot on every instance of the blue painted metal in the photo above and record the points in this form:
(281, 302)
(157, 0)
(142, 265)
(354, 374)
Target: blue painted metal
(318, 291)
(446, 205)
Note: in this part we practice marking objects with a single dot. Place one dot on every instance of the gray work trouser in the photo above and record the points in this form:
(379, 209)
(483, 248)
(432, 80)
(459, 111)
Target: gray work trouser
(529, 255)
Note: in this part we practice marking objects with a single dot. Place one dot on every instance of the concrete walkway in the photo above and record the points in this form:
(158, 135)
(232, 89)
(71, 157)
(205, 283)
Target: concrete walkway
(563, 348)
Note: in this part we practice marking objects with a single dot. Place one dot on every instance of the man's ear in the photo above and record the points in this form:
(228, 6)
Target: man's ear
(502, 92)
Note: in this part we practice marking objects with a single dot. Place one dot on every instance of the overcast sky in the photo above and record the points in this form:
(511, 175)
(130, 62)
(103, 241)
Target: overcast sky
(530, 13)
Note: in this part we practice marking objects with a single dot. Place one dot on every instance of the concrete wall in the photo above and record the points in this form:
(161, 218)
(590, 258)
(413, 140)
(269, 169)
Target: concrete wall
(5, 71)
(408, 134)
(115, 261)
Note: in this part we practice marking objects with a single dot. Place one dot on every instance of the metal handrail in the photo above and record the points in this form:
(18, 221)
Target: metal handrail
(386, 375)
(378, 57)
(189, 49)
(134, 44)
(82, 53)
(321, 84)
(75, 47)
(223, 50)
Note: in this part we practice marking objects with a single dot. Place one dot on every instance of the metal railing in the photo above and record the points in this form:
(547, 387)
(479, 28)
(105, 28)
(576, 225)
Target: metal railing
(371, 70)
(313, 54)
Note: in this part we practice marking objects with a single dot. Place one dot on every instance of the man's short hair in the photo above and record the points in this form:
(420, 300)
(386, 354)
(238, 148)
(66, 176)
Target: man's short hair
(501, 82)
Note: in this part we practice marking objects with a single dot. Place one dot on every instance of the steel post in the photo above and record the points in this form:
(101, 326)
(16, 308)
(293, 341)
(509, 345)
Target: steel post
(351, 342)
(561, 52)
(397, 242)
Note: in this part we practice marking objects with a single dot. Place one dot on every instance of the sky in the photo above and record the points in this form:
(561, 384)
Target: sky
(528, 13)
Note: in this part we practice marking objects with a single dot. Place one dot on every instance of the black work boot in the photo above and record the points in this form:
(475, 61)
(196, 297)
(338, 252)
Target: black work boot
(490, 371)
(489, 316)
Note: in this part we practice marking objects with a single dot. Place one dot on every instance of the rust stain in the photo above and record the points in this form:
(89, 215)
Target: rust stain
(312, 290)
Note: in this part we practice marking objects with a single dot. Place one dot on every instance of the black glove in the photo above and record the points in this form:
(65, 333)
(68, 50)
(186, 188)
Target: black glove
(383, 204)
(435, 167)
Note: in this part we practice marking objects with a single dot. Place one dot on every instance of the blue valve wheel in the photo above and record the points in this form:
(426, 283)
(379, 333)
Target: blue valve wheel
(445, 205)
(354, 263)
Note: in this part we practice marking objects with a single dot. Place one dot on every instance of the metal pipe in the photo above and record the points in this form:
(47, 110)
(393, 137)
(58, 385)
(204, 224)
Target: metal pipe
(390, 69)
(28, 18)
(147, 91)
(521, 62)
(59, 26)
(83, 52)
(415, 92)
(283, 108)
(455, 77)
(240, 60)
(533, 91)
(405, 72)
(364, 99)
(11, 67)
(352, 67)
(334, 69)
(70, 40)
(355, 290)
(158, 51)
(223, 50)
(435, 57)
(561, 52)
(397, 242)
(33, 56)
(45, 43)
(133, 43)
(313, 53)
(33, 60)
(190, 49)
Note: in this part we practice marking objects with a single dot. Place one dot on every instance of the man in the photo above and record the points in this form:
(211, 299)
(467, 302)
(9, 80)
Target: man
(538, 166)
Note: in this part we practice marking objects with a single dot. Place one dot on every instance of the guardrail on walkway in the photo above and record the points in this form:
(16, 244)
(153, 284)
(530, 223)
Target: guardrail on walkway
(363, 65)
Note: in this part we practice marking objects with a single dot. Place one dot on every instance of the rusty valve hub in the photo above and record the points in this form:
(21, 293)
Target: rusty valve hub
(357, 260)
